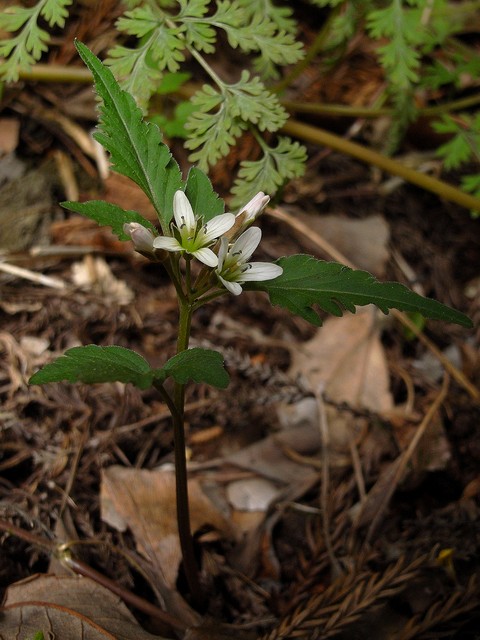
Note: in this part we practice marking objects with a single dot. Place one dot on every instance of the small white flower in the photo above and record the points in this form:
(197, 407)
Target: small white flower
(233, 266)
(191, 235)
(142, 237)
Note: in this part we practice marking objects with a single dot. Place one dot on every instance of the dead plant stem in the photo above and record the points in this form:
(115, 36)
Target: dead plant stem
(321, 137)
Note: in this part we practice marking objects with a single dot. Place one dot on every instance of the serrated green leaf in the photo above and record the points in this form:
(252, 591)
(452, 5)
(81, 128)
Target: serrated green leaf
(204, 200)
(92, 364)
(198, 365)
(135, 146)
(109, 215)
(333, 287)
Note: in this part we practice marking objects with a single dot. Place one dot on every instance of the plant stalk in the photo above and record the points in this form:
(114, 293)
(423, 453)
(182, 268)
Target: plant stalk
(181, 482)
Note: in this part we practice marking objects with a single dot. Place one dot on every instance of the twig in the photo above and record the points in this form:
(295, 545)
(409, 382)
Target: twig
(319, 136)
(26, 274)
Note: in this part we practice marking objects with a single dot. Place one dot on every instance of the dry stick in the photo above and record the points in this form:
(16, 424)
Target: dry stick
(74, 468)
(33, 276)
(401, 463)
(325, 246)
(321, 137)
(64, 555)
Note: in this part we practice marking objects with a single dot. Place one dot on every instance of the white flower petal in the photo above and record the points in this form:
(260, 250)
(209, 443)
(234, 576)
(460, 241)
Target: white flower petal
(167, 243)
(182, 211)
(254, 207)
(233, 287)
(217, 226)
(222, 252)
(260, 271)
(206, 256)
(247, 243)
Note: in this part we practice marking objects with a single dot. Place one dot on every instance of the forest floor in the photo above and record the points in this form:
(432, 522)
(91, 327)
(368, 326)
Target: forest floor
(317, 512)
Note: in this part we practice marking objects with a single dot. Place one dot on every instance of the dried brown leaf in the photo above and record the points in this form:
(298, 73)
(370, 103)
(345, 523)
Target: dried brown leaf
(346, 360)
(67, 607)
(144, 501)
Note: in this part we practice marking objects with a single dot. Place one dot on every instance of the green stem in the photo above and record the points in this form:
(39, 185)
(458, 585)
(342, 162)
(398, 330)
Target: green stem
(176, 406)
(347, 111)
(319, 136)
(181, 482)
(209, 298)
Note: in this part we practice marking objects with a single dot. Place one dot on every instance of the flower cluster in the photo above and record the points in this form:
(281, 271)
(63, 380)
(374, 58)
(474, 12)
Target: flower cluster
(225, 232)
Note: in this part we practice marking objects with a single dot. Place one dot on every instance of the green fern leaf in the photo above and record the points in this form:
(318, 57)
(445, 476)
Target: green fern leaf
(262, 35)
(198, 32)
(160, 47)
(211, 134)
(27, 46)
(55, 12)
(278, 165)
(265, 9)
(135, 146)
(251, 102)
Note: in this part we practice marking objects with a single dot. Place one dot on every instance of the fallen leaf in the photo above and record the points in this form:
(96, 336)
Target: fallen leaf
(364, 242)
(251, 494)
(345, 360)
(9, 132)
(95, 275)
(144, 501)
(66, 607)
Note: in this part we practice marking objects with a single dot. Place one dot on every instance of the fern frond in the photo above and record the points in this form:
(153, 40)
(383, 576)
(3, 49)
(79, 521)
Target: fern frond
(280, 16)
(465, 142)
(211, 135)
(161, 48)
(199, 34)
(27, 46)
(261, 34)
(278, 165)
(220, 117)
(252, 102)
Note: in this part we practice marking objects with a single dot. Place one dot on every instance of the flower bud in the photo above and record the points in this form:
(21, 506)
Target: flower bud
(247, 214)
(254, 207)
(142, 237)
